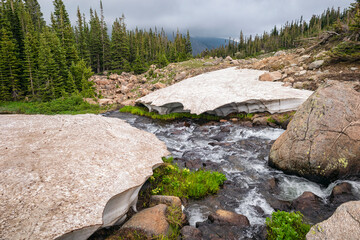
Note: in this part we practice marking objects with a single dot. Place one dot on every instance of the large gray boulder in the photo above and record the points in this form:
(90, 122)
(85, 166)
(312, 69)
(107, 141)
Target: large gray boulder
(223, 92)
(343, 224)
(322, 141)
(67, 176)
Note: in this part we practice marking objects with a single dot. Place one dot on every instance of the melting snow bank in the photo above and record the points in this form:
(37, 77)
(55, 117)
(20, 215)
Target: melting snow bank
(65, 177)
(223, 92)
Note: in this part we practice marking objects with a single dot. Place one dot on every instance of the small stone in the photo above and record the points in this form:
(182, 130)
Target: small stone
(208, 64)
(228, 58)
(159, 85)
(279, 53)
(180, 76)
(270, 77)
(303, 72)
(191, 233)
(168, 200)
(315, 65)
(300, 50)
(289, 79)
(105, 101)
(304, 58)
(113, 76)
(133, 78)
(298, 85)
(102, 82)
(150, 222)
(353, 68)
(287, 84)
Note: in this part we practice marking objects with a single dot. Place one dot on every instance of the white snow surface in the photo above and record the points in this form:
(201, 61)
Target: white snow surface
(223, 92)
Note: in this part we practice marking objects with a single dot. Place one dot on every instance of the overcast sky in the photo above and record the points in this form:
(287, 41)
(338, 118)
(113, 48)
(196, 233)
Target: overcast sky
(203, 18)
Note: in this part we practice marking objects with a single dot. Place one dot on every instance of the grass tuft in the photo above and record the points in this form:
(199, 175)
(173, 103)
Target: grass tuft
(170, 180)
(142, 111)
(69, 105)
(285, 225)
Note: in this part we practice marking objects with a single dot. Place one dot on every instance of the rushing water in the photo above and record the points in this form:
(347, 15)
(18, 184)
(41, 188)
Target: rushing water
(239, 152)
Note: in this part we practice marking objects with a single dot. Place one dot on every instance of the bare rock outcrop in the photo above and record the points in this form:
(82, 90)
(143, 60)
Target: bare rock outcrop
(322, 141)
(343, 224)
(64, 177)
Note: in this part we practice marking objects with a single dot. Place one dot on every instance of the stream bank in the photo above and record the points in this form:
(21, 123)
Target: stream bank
(253, 188)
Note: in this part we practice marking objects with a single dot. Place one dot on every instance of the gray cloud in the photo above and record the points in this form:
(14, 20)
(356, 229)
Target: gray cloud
(209, 18)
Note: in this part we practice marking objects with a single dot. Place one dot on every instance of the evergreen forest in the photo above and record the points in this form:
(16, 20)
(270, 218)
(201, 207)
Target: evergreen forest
(293, 33)
(41, 62)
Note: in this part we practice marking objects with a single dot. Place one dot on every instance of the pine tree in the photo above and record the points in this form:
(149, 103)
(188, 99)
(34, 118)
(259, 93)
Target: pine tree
(80, 74)
(105, 41)
(9, 69)
(355, 25)
(188, 48)
(139, 65)
(33, 8)
(119, 46)
(95, 45)
(81, 41)
(62, 26)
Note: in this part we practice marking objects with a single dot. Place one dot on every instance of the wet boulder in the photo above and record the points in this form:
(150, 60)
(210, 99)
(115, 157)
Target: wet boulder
(310, 205)
(67, 176)
(343, 224)
(223, 217)
(342, 193)
(322, 142)
(224, 225)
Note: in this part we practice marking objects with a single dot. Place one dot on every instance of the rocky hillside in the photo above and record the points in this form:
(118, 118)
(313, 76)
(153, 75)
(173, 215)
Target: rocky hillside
(124, 89)
(302, 68)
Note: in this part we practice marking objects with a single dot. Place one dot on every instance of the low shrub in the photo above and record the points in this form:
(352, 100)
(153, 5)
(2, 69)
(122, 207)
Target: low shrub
(172, 181)
(285, 225)
(346, 52)
(69, 105)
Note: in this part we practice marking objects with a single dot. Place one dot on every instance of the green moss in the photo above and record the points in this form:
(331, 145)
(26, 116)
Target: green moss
(69, 105)
(170, 180)
(142, 111)
(285, 225)
(271, 120)
(242, 116)
(343, 162)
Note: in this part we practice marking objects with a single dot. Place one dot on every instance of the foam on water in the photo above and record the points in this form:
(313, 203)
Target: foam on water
(248, 205)
(197, 213)
(239, 153)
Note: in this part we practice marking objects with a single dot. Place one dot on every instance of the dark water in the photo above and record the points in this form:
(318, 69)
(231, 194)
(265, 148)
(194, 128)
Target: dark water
(241, 153)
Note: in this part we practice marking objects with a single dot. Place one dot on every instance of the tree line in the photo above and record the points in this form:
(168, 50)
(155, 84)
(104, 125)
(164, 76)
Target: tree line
(44, 62)
(288, 35)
